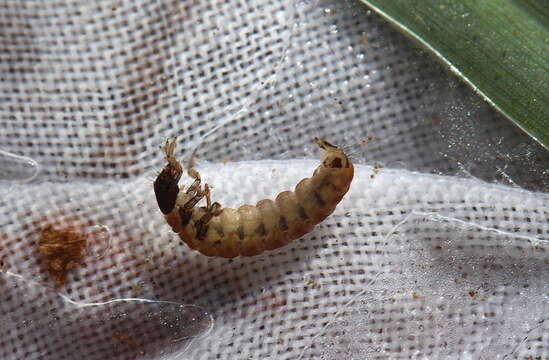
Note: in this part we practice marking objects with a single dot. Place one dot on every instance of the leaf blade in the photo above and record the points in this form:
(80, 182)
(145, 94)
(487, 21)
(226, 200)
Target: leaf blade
(499, 47)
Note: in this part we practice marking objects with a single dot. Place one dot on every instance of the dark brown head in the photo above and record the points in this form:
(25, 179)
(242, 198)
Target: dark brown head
(166, 190)
(165, 185)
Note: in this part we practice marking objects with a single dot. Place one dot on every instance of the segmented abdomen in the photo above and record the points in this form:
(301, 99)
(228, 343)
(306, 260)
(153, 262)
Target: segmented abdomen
(250, 230)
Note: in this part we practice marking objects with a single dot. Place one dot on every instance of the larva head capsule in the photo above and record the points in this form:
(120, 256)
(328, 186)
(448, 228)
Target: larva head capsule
(165, 185)
(332, 156)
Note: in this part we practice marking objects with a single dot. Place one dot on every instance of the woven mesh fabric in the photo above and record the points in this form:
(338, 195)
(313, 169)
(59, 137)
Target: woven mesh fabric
(409, 265)
(399, 244)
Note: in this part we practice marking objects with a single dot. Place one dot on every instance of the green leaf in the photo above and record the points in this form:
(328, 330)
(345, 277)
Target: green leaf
(499, 47)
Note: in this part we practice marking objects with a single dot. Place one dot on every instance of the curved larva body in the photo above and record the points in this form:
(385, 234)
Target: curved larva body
(250, 230)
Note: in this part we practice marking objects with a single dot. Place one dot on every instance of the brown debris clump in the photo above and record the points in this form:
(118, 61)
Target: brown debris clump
(62, 250)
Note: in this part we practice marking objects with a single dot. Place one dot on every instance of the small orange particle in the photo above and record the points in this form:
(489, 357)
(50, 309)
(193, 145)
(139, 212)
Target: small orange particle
(62, 249)
(125, 339)
(366, 141)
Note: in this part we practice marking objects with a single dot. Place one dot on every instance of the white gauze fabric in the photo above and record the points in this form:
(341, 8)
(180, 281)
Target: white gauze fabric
(410, 265)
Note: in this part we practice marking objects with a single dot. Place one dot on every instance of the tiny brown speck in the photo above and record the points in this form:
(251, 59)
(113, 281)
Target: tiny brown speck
(366, 141)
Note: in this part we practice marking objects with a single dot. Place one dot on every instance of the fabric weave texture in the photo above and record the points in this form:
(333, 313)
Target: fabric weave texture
(414, 263)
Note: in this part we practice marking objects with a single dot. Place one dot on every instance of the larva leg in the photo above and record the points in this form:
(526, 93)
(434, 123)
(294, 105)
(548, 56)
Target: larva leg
(194, 193)
(192, 196)
(190, 167)
(193, 174)
(194, 188)
(211, 211)
(191, 203)
(214, 208)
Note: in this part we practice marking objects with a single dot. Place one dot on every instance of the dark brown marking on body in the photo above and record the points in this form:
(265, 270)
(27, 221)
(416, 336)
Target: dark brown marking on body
(318, 199)
(201, 230)
(185, 216)
(282, 224)
(217, 243)
(336, 163)
(261, 230)
(240, 232)
(302, 213)
(327, 183)
(219, 230)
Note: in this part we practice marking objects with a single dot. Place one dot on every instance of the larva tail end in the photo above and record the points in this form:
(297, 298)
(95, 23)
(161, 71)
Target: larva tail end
(165, 185)
(332, 156)
(192, 159)
(324, 145)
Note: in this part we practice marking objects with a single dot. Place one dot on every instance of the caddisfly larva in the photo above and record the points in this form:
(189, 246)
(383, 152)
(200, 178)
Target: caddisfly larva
(250, 230)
